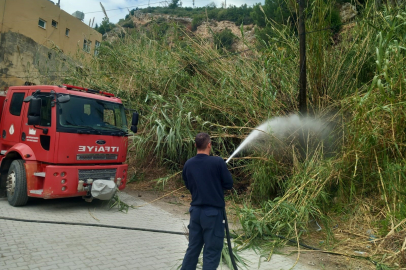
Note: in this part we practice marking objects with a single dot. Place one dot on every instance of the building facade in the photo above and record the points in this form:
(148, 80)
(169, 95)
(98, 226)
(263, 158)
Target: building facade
(45, 32)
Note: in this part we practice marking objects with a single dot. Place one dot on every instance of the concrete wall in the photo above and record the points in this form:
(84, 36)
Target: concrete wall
(23, 41)
(23, 60)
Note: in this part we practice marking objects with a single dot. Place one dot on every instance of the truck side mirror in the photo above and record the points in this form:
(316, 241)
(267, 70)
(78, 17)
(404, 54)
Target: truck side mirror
(34, 111)
(134, 122)
(28, 99)
(63, 98)
(134, 129)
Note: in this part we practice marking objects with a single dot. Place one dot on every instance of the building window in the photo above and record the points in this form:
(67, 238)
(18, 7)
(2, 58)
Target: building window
(16, 103)
(96, 48)
(55, 24)
(87, 45)
(42, 23)
(67, 32)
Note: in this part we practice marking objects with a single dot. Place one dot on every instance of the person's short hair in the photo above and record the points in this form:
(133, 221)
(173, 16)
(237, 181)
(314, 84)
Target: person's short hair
(202, 140)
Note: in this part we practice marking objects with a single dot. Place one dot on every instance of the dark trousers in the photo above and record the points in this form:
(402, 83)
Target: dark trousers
(205, 228)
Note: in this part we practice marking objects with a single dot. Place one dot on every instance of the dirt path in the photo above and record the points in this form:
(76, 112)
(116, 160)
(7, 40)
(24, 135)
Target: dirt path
(177, 203)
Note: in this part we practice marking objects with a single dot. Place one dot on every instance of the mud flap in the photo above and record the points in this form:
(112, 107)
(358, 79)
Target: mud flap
(103, 189)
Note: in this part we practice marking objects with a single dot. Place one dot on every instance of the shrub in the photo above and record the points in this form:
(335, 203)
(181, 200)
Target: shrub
(129, 24)
(335, 21)
(197, 21)
(224, 39)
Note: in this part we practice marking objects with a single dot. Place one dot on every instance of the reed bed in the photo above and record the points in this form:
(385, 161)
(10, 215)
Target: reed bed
(182, 85)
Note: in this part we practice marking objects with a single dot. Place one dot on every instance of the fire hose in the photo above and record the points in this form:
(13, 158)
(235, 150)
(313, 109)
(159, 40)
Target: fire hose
(230, 249)
(90, 225)
(172, 232)
(228, 237)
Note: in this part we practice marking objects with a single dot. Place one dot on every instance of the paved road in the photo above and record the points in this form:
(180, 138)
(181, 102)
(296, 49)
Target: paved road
(26, 245)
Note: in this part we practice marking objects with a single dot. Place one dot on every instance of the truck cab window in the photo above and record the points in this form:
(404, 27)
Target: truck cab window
(16, 103)
(92, 115)
(108, 117)
(46, 111)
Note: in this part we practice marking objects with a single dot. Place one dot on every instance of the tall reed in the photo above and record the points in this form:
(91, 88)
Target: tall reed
(182, 85)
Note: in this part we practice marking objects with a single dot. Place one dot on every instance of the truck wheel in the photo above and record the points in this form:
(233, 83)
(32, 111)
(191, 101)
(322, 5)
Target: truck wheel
(17, 184)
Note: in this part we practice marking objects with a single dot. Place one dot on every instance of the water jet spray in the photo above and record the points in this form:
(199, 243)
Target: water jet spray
(282, 127)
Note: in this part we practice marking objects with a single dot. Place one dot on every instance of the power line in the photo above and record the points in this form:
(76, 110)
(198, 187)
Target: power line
(100, 11)
(122, 8)
(160, 2)
(313, 31)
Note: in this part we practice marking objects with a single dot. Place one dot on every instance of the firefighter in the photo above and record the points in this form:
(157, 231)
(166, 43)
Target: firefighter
(206, 177)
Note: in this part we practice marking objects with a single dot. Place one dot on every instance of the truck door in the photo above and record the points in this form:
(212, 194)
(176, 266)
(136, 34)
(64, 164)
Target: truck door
(12, 119)
(41, 138)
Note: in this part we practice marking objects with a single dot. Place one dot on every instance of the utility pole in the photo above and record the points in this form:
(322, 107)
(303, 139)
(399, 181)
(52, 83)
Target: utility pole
(193, 3)
(302, 65)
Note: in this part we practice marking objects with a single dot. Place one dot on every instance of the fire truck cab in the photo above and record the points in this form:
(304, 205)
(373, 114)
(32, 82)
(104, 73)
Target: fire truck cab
(62, 141)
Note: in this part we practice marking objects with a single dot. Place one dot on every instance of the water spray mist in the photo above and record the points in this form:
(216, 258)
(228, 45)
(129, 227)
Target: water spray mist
(282, 127)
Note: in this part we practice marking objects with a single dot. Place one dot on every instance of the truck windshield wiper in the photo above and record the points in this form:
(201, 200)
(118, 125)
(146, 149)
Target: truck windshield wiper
(115, 129)
(81, 131)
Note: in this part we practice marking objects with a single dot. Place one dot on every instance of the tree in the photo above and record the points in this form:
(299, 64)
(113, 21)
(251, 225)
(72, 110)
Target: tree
(276, 10)
(212, 5)
(174, 4)
(105, 26)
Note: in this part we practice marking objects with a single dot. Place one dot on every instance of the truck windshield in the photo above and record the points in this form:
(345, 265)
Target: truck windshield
(85, 114)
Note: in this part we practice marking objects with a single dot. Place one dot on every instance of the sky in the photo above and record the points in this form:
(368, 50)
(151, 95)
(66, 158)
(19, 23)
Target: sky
(117, 9)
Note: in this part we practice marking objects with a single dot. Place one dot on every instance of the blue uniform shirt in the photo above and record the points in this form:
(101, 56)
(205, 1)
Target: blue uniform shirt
(206, 177)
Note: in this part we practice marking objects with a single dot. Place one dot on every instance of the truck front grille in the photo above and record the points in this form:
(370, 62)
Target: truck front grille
(106, 174)
(96, 157)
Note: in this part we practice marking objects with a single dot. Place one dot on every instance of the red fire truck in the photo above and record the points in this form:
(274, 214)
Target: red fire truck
(62, 141)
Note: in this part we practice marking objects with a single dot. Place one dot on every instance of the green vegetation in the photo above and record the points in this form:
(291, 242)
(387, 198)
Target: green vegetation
(224, 39)
(105, 26)
(182, 85)
(128, 24)
(238, 15)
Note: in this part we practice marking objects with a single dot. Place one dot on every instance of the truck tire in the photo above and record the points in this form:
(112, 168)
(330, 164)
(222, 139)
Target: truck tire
(17, 184)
